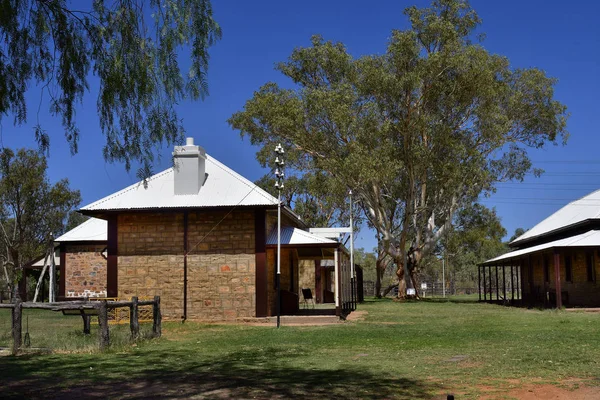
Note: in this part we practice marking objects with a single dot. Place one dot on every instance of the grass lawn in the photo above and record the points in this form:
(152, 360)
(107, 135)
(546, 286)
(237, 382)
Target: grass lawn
(399, 350)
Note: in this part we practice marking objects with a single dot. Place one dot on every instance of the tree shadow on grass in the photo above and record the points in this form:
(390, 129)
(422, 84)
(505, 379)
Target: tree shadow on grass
(175, 374)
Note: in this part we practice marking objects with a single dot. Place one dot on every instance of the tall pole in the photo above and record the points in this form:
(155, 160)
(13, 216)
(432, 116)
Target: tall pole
(278, 283)
(444, 276)
(352, 273)
(279, 185)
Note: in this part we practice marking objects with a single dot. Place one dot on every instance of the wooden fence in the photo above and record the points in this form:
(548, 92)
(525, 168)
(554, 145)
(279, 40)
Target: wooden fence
(88, 309)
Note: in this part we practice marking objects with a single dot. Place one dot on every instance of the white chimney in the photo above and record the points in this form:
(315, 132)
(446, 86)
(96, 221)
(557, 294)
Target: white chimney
(190, 167)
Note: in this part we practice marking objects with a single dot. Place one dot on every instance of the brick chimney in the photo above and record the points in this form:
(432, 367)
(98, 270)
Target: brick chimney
(190, 168)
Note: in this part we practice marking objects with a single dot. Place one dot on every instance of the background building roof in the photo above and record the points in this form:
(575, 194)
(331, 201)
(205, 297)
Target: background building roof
(93, 229)
(575, 212)
(296, 236)
(588, 239)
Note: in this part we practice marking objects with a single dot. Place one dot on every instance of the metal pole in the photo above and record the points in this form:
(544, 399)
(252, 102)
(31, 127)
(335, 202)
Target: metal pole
(337, 274)
(352, 273)
(279, 185)
(444, 277)
(479, 283)
(279, 260)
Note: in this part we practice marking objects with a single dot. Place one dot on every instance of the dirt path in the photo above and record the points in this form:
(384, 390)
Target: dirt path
(572, 389)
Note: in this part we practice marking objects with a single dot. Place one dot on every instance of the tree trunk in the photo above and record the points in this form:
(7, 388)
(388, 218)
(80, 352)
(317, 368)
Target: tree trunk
(389, 289)
(401, 274)
(377, 284)
(40, 280)
(7, 280)
(52, 286)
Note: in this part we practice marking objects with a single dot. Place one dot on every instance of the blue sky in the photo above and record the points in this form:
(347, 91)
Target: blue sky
(562, 38)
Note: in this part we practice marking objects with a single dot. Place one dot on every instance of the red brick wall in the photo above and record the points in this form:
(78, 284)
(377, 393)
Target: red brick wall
(85, 274)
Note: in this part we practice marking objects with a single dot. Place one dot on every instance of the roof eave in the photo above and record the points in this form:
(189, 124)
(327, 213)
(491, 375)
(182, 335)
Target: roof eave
(518, 243)
(99, 213)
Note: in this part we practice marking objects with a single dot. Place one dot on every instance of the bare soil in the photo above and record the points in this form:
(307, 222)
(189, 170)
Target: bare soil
(572, 389)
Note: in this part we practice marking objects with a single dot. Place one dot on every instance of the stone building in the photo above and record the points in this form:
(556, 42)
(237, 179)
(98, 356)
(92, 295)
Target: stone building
(554, 264)
(200, 236)
(83, 255)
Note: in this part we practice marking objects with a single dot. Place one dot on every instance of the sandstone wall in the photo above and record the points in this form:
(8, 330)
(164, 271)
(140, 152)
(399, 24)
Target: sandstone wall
(306, 277)
(221, 262)
(150, 259)
(221, 265)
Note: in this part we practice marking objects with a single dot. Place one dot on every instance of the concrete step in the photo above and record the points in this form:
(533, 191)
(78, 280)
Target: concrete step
(295, 320)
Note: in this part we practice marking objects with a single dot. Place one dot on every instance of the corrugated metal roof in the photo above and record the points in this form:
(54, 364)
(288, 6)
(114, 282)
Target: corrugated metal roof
(223, 187)
(94, 229)
(588, 239)
(587, 207)
(40, 261)
(296, 236)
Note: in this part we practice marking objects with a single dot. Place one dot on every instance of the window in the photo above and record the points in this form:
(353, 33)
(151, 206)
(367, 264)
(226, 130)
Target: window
(568, 268)
(546, 270)
(589, 263)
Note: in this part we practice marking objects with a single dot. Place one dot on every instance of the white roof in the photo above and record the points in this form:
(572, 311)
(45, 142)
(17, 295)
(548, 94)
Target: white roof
(588, 239)
(296, 236)
(587, 207)
(223, 187)
(40, 261)
(93, 229)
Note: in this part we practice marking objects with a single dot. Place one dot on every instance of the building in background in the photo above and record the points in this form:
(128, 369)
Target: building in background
(554, 264)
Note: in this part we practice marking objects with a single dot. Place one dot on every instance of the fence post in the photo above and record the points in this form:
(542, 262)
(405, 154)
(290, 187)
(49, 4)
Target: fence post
(156, 327)
(86, 324)
(103, 323)
(17, 327)
(134, 323)
(87, 320)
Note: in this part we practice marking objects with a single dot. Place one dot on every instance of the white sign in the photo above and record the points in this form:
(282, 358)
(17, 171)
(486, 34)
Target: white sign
(423, 286)
(411, 292)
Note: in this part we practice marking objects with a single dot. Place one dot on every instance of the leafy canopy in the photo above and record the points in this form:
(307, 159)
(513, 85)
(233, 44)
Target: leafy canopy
(131, 46)
(417, 132)
(31, 209)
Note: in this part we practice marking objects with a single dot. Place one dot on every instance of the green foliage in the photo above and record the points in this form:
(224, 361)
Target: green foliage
(418, 132)
(57, 45)
(476, 236)
(518, 232)
(368, 263)
(316, 198)
(75, 219)
(31, 209)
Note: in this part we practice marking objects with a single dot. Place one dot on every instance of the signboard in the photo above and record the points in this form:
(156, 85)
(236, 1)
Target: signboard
(423, 286)
(411, 292)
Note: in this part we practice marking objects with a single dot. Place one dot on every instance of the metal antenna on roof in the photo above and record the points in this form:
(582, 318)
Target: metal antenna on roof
(279, 174)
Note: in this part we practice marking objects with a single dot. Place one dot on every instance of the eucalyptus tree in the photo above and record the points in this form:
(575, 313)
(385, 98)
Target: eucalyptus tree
(475, 236)
(133, 47)
(31, 210)
(416, 132)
